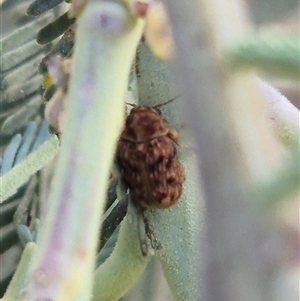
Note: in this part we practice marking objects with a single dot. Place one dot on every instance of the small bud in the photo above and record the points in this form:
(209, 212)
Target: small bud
(140, 7)
(58, 71)
(47, 80)
(76, 8)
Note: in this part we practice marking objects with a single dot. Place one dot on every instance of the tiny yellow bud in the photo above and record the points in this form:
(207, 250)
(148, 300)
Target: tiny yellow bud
(47, 80)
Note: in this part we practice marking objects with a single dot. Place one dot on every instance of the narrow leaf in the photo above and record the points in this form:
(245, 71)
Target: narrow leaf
(17, 284)
(10, 153)
(38, 7)
(21, 91)
(276, 54)
(22, 116)
(25, 33)
(20, 173)
(27, 140)
(54, 29)
(24, 234)
(19, 55)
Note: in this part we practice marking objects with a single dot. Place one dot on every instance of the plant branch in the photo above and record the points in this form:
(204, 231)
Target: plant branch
(229, 122)
(106, 40)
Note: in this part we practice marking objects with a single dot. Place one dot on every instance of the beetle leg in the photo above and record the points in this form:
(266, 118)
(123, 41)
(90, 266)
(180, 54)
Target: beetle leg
(147, 236)
(173, 135)
(122, 187)
(150, 230)
(143, 237)
(137, 212)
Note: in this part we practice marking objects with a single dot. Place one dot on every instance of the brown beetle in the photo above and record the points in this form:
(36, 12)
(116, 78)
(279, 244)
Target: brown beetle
(148, 155)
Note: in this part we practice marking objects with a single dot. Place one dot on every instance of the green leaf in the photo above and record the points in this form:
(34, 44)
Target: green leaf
(7, 211)
(20, 74)
(21, 91)
(25, 33)
(38, 7)
(24, 234)
(10, 153)
(20, 173)
(17, 284)
(107, 248)
(54, 29)
(8, 238)
(276, 54)
(17, 120)
(27, 140)
(63, 47)
(19, 55)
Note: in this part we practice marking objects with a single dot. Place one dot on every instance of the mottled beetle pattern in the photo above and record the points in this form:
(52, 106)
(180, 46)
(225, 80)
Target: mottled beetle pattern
(148, 156)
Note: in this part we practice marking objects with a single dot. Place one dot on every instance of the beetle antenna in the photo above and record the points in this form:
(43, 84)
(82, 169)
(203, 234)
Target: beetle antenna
(131, 104)
(164, 103)
(157, 106)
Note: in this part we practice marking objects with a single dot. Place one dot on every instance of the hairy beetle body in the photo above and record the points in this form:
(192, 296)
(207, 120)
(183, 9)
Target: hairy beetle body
(148, 155)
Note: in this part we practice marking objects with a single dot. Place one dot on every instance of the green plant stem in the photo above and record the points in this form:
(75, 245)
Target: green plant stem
(233, 138)
(119, 272)
(106, 41)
